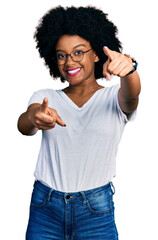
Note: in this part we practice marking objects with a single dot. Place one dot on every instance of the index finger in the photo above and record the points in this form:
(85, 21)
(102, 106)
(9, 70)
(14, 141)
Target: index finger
(60, 121)
(108, 52)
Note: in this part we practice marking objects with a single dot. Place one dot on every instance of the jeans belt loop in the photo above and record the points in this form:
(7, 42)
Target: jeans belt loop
(49, 194)
(112, 187)
(84, 198)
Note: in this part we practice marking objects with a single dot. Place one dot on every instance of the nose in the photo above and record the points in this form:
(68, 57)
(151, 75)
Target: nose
(69, 59)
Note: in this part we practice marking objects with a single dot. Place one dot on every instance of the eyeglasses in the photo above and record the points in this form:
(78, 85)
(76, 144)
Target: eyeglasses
(76, 56)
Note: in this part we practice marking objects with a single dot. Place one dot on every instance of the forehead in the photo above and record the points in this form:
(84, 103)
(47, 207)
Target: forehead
(68, 42)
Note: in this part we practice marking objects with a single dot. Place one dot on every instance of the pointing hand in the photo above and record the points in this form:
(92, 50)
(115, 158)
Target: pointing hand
(117, 64)
(44, 117)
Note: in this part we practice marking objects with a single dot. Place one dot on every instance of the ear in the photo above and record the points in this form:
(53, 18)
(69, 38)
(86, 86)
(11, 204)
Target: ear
(96, 58)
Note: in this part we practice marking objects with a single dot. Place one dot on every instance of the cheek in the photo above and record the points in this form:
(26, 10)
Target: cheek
(59, 68)
(61, 71)
(88, 63)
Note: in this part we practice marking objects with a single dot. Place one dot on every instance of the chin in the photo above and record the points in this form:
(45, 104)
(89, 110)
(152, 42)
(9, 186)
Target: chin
(73, 81)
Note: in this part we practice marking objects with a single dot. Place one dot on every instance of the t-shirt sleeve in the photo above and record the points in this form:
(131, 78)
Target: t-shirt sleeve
(36, 98)
(121, 114)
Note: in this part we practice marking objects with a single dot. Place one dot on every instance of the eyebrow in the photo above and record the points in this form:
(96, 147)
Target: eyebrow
(79, 45)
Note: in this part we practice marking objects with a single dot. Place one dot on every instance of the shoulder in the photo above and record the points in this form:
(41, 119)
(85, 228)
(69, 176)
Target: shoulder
(111, 92)
(39, 95)
(113, 89)
(45, 91)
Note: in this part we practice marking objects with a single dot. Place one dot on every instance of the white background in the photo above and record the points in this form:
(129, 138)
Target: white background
(22, 73)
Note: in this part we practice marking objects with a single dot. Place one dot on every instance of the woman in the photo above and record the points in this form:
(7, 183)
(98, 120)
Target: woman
(81, 125)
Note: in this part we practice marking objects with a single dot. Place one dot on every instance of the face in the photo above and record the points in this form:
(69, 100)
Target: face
(76, 72)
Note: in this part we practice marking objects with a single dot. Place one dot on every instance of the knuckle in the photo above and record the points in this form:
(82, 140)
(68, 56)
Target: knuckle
(110, 69)
(122, 56)
(115, 72)
(54, 111)
(37, 116)
(121, 75)
(37, 122)
(51, 122)
(128, 60)
(54, 118)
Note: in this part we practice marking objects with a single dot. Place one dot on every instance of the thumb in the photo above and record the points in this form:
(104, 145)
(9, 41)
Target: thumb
(44, 105)
(108, 53)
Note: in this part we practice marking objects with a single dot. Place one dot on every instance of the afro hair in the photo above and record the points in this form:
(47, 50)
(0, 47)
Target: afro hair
(87, 22)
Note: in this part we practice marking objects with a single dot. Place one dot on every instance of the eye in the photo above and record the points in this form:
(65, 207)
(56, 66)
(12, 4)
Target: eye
(60, 56)
(78, 52)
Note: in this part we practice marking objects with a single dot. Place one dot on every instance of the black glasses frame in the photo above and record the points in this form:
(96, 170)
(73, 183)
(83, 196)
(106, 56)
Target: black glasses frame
(69, 54)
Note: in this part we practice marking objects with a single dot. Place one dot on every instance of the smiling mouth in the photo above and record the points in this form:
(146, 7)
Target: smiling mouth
(73, 72)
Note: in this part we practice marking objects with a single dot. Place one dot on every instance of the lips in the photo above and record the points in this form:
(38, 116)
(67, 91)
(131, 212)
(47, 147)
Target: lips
(73, 71)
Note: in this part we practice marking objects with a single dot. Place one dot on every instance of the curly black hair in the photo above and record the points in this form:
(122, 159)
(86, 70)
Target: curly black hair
(87, 22)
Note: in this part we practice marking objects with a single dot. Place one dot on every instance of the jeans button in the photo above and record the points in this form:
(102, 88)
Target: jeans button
(68, 197)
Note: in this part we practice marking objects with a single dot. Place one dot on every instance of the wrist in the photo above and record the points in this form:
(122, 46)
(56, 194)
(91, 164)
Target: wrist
(135, 64)
(31, 122)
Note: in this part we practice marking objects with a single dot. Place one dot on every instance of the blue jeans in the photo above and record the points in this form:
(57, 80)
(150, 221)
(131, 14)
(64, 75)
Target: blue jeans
(83, 215)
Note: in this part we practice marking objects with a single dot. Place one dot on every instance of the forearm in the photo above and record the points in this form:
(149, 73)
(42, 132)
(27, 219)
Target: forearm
(130, 87)
(25, 126)
(129, 92)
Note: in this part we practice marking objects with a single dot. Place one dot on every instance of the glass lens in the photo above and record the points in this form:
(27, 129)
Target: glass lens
(77, 55)
(61, 57)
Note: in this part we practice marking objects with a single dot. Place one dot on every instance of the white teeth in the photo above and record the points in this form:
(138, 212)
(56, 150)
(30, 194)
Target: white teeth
(74, 71)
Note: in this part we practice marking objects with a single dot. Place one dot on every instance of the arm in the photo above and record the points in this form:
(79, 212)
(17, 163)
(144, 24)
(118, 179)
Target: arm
(129, 92)
(120, 65)
(38, 116)
(25, 126)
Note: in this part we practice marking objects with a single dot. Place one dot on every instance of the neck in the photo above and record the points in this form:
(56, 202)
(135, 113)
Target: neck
(83, 88)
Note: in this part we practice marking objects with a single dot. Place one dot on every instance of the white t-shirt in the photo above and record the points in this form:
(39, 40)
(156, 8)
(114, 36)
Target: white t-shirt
(82, 155)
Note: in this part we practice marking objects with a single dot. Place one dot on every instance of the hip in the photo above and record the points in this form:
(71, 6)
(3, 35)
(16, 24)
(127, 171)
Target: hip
(78, 215)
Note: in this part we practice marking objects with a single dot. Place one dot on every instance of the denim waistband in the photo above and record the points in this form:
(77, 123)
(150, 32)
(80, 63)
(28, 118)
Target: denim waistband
(77, 196)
